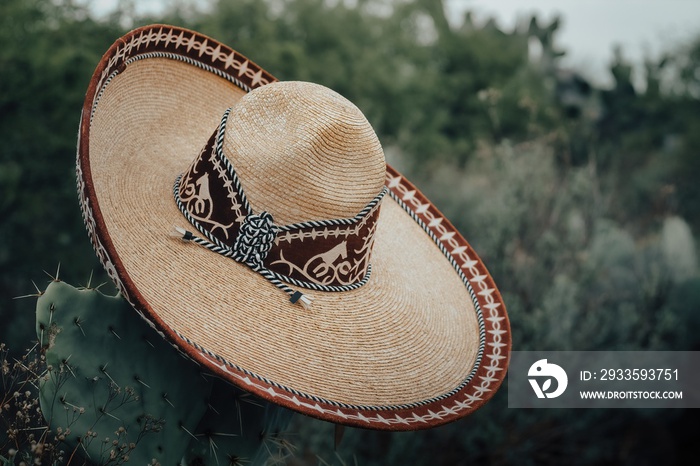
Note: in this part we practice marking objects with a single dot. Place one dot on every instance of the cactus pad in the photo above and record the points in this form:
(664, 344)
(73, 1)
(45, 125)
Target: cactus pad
(116, 391)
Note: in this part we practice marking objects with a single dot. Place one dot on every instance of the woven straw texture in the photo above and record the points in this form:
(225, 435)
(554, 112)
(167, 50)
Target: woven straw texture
(424, 341)
(304, 153)
(409, 335)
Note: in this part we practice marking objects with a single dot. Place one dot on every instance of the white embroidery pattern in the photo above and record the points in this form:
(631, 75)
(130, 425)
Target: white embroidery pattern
(491, 370)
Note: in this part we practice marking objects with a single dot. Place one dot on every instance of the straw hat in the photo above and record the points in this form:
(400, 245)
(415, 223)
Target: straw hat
(303, 268)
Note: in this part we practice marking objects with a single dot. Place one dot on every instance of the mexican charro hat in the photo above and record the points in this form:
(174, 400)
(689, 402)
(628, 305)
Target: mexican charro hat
(302, 268)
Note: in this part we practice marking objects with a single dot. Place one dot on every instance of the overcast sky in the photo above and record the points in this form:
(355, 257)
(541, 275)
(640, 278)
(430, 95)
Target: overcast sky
(590, 28)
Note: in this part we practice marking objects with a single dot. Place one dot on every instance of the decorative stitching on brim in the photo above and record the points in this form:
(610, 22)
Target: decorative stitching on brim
(477, 363)
(493, 355)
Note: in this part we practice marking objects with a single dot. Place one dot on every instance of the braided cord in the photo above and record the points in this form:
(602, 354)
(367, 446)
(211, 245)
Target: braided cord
(253, 255)
(258, 232)
(227, 163)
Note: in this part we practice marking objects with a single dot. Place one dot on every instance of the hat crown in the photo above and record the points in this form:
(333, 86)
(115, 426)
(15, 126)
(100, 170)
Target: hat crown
(303, 152)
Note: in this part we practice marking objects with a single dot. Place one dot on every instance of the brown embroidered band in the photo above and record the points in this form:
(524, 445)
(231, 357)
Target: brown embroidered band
(325, 255)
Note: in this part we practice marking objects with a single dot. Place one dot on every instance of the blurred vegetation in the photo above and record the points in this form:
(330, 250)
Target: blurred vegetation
(583, 201)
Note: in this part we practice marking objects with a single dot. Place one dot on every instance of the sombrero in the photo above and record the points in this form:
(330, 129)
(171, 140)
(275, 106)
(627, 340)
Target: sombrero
(302, 268)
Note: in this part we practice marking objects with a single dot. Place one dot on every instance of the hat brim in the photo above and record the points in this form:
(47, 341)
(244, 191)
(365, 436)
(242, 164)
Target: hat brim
(424, 342)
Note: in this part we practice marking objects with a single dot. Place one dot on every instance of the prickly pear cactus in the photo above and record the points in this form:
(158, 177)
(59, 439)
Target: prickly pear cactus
(115, 391)
(239, 428)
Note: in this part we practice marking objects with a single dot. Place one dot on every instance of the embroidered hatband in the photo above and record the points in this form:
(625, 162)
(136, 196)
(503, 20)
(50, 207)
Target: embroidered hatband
(324, 255)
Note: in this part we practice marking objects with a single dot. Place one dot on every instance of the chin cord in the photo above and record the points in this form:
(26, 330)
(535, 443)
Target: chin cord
(251, 257)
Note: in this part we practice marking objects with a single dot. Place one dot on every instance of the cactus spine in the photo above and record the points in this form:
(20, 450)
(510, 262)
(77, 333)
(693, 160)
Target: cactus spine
(117, 392)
